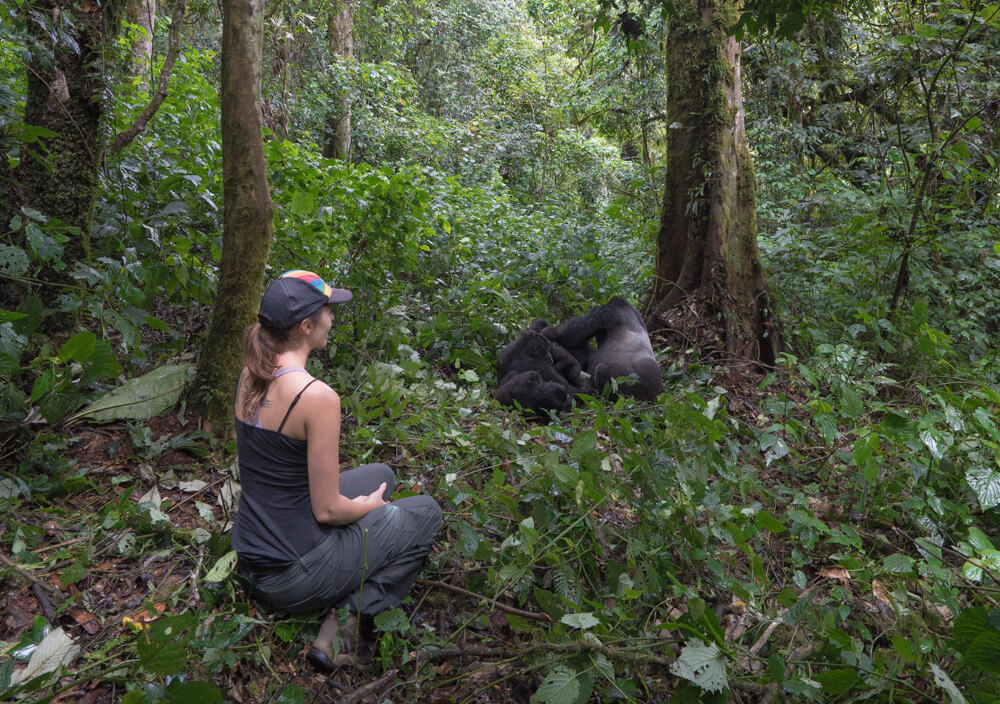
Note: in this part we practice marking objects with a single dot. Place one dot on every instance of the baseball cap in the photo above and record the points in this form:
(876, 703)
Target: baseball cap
(297, 294)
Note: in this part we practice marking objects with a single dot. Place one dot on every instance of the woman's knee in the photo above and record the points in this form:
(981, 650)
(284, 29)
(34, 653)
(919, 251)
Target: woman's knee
(429, 511)
(376, 473)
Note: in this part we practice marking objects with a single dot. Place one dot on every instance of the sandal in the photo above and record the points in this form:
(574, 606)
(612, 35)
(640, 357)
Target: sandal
(322, 656)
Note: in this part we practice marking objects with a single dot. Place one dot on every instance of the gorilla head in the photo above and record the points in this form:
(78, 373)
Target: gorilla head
(529, 352)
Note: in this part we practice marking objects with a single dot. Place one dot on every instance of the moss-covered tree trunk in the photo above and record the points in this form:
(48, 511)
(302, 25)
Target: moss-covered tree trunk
(707, 244)
(248, 226)
(341, 30)
(66, 96)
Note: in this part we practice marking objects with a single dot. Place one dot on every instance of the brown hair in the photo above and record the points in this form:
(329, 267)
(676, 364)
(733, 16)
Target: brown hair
(262, 343)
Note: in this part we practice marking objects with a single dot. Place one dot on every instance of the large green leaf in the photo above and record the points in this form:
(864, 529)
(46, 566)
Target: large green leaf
(986, 483)
(141, 398)
(705, 665)
(162, 646)
(560, 686)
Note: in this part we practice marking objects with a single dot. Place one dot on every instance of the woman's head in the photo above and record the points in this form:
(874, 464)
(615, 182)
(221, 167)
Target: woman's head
(295, 296)
(296, 306)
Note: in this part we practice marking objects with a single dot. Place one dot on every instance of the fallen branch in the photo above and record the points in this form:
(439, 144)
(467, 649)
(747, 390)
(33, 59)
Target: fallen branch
(162, 84)
(503, 607)
(577, 647)
(53, 591)
(371, 688)
(46, 603)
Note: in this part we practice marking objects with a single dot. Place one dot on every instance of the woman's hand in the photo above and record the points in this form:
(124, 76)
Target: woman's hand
(373, 500)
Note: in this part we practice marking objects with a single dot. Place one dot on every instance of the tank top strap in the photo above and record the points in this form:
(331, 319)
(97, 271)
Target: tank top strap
(294, 401)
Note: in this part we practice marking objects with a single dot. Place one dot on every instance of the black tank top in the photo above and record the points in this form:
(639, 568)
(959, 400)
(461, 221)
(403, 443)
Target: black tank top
(274, 523)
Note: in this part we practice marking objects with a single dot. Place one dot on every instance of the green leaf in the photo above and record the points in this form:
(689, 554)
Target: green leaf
(560, 686)
(765, 521)
(222, 568)
(585, 620)
(79, 348)
(986, 483)
(161, 646)
(193, 693)
(13, 261)
(42, 385)
(851, 405)
(702, 664)
(837, 682)
(141, 398)
(984, 652)
(776, 667)
(604, 667)
(292, 694)
(942, 680)
(898, 564)
(980, 541)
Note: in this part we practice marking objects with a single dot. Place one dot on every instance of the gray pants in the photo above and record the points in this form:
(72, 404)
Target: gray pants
(368, 565)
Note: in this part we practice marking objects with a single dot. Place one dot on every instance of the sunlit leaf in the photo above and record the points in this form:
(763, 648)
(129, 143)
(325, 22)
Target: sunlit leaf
(56, 649)
(702, 664)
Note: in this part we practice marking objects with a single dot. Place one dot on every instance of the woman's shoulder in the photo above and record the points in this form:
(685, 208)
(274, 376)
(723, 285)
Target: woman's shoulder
(318, 391)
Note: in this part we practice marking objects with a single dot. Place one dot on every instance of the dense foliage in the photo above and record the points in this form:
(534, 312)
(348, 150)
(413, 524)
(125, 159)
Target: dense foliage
(825, 529)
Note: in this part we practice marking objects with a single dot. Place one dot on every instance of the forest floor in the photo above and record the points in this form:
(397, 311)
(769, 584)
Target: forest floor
(102, 593)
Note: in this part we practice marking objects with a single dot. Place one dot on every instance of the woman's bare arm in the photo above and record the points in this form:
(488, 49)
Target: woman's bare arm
(322, 423)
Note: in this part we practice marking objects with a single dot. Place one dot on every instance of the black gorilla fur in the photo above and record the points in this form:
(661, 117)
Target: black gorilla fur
(543, 368)
(623, 347)
(537, 374)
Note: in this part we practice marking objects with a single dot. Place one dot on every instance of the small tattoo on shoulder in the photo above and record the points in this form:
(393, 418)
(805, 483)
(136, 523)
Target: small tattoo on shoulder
(266, 403)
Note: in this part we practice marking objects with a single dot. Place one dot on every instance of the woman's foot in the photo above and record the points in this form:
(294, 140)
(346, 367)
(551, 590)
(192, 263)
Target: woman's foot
(336, 645)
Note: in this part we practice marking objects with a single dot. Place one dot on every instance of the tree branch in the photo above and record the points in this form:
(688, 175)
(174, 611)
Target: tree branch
(502, 607)
(163, 83)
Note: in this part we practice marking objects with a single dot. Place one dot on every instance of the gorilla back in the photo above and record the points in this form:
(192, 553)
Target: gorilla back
(623, 347)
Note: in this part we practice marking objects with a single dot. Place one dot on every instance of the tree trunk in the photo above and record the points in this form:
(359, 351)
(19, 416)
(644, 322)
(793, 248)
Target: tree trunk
(341, 29)
(707, 244)
(142, 13)
(65, 94)
(248, 226)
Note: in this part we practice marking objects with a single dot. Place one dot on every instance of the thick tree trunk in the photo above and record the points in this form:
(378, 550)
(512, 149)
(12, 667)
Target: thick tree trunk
(341, 28)
(65, 95)
(142, 13)
(248, 226)
(707, 244)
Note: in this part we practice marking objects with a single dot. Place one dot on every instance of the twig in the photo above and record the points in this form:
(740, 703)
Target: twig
(360, 693)
(33, 579)
(195, 577)
(502, 607)
(63, 544)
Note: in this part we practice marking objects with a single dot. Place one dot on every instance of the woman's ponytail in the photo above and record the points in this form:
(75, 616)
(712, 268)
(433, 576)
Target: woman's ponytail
(261, 347)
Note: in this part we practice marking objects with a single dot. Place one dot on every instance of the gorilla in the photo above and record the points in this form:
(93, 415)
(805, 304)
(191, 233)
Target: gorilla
(533, 393)
(623, 347)
(538, 373)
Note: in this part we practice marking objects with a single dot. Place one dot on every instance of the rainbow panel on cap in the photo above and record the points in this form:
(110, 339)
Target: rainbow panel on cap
(310, 278)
